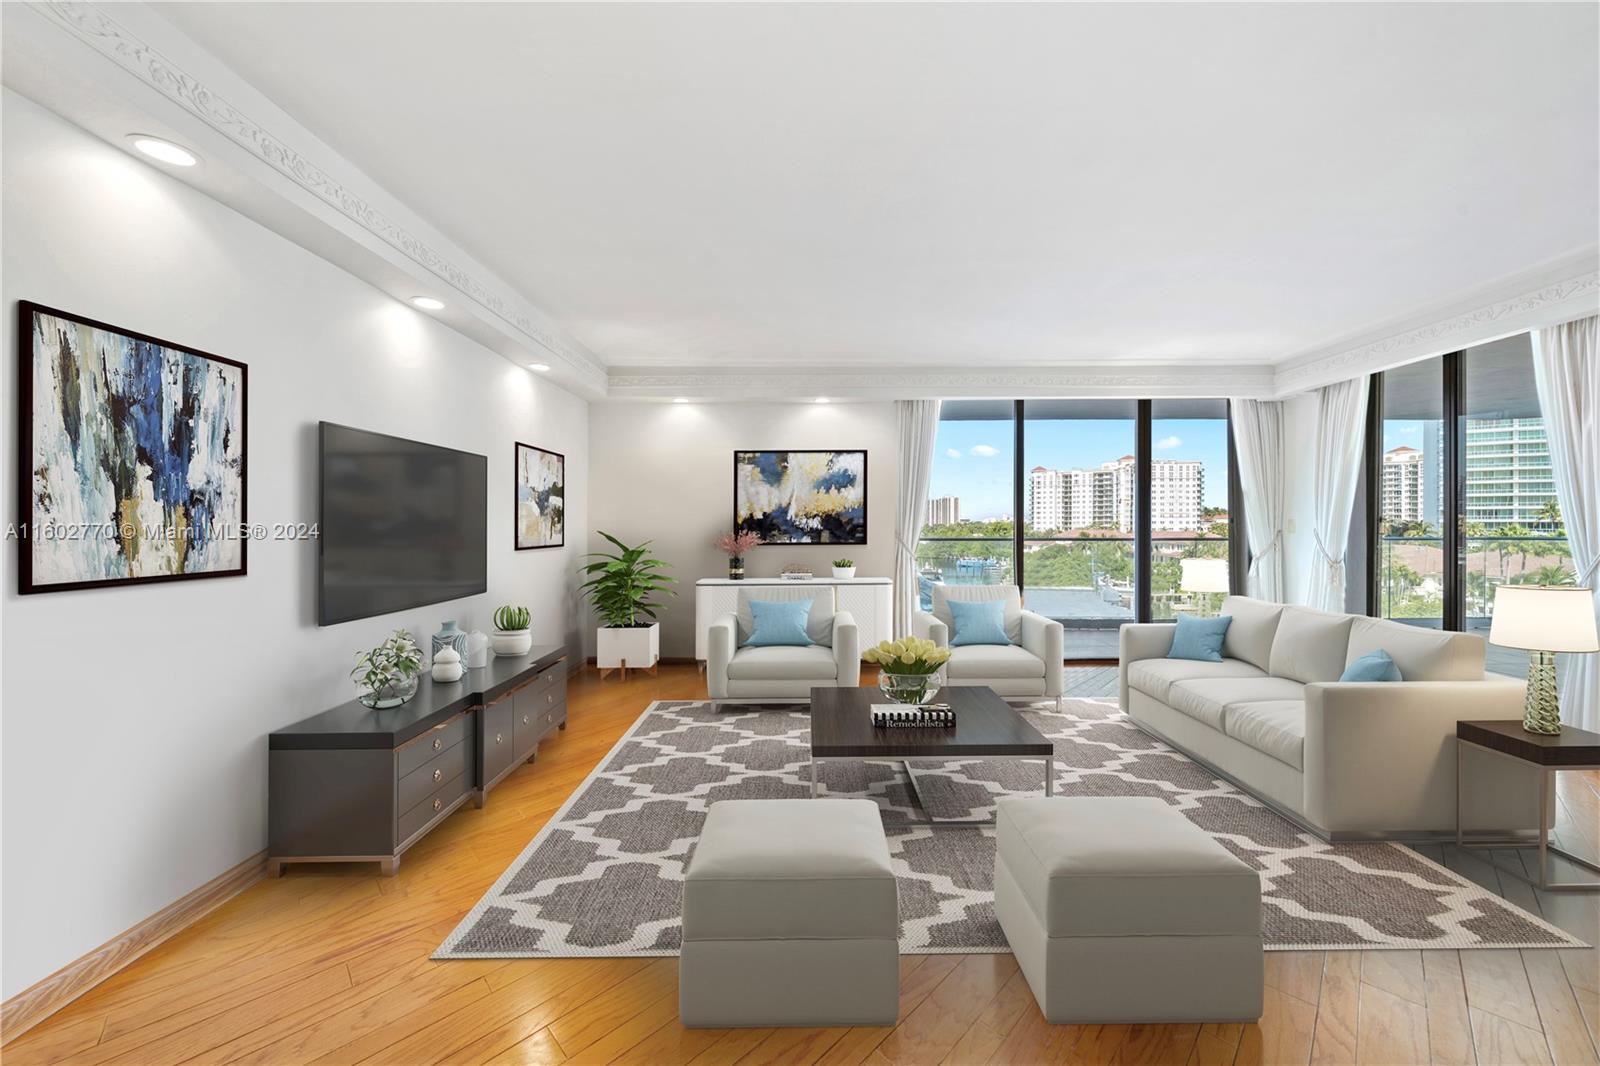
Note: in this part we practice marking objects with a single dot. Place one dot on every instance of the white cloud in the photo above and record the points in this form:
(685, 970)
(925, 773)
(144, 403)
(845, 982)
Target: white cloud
(986, 451)
(1168, 442)
(953, 453)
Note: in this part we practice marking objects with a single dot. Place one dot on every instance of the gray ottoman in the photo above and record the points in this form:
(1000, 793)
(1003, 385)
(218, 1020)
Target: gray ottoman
(1120, 910)
(790, 917)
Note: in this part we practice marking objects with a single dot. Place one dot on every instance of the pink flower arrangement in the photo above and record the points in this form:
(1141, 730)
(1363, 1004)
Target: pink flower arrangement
(735, 545)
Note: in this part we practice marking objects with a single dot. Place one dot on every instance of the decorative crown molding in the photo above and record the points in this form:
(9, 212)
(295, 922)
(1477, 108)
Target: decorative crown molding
(116, 42)
(1571, 296)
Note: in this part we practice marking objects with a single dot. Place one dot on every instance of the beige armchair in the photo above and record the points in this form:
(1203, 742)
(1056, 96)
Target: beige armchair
(833, 659)
(1029, 667)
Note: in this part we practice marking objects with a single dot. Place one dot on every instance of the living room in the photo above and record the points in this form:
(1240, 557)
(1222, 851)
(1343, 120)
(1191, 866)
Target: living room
(800, 533)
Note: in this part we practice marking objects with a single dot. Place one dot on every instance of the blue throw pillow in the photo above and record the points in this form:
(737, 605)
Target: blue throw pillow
(1373, 666)
(779, 623)
(980, 622)
(1199, 638)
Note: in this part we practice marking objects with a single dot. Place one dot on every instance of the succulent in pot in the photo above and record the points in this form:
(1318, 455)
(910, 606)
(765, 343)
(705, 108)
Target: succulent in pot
(844, 569)
(387, 675)
(511, 633)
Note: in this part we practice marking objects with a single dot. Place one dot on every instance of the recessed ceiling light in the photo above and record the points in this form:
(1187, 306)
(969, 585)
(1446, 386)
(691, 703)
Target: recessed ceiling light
(541, 368)
(164, 151)
(680, 399)
(822, 399)
(427, 303)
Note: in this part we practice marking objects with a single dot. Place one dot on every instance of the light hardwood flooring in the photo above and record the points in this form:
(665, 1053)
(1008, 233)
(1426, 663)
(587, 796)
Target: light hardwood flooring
(330, 965)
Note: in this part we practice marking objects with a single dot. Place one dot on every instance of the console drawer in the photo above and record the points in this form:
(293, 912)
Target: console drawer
(497, 739)
(431, 807)
(423, 748)
(446, 766)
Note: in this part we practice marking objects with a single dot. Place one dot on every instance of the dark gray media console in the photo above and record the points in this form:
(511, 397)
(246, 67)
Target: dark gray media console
(355, 784)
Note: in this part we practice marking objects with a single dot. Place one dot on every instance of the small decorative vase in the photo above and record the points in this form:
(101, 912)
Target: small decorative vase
(447, 665)
(477, 649)
(512, 641)
(735, 568)
(844, 573)
(391, 695)
(1541, 707)
(909, 688)
(450, 635)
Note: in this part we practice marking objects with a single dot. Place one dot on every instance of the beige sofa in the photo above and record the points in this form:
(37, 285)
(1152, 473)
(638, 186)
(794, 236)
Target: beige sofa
(1348, 760)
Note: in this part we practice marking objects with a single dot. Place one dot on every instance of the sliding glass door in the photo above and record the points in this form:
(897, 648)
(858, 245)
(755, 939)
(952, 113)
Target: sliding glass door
(969, 535)
(1189, 507)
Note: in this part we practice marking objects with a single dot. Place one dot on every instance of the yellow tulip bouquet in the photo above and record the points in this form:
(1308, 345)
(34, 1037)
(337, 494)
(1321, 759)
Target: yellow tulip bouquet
(908, 668)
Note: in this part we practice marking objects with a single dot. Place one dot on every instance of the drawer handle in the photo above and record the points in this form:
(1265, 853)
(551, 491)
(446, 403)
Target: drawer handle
(437, 774)
(550, 698)
(438, 803)
(438, 742)
(498, 738)
(524, 719)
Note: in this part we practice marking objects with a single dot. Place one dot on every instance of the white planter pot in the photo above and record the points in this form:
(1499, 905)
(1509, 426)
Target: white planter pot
(512, 641)
(844, 573)
(639, 647)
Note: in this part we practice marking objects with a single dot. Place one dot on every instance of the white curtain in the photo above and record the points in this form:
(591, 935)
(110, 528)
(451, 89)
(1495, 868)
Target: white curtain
(1258, 442)
(1566, 371)
(1341, 433)
(919, 424)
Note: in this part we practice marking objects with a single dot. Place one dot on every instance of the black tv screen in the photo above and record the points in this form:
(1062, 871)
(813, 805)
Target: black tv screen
(402, 524)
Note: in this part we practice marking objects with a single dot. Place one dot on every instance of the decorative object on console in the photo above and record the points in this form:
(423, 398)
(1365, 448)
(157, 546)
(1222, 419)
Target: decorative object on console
(453, 636)
(796, 572)
(122, 489)
(801, 497)
(622, 587)
(541, 497)
(909, 668)
(477, 649)
(736, 546)
(387, 675)
(511, 633)
(844, 569)
(1543, 620)
(447, 665)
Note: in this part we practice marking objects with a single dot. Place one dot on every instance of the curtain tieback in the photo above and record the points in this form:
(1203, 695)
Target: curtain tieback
(1335, 562)
(1272, 546)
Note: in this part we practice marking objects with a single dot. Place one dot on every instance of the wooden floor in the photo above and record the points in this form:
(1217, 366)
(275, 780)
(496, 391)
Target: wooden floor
(330, 965)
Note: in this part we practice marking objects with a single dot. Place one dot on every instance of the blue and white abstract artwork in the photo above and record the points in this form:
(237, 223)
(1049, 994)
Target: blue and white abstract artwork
(135, 453)
(541, 498)
(801, 497)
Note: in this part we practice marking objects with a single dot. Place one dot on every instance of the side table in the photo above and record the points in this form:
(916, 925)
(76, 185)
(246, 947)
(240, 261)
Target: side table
(1571, 749)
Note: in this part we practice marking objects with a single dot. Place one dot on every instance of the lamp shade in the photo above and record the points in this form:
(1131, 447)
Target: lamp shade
(1544, 618)
(1203, 575)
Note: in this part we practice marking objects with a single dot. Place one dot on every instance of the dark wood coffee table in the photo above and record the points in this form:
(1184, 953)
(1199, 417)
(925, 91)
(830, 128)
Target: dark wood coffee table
(1571, 749)
(986, 727)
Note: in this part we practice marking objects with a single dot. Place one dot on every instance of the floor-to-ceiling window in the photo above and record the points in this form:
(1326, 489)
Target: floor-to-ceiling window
(1467, 501)
(1101, 511)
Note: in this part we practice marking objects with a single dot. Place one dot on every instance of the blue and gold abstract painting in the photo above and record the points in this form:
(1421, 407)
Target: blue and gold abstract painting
(801, 497)
(134, 457)
(541, 498)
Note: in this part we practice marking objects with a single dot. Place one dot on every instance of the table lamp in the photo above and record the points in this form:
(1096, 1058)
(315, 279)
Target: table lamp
(1203, 575)
(1543, 619)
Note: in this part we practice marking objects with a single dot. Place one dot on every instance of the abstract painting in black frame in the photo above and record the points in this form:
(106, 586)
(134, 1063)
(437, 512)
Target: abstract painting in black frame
(801, 497)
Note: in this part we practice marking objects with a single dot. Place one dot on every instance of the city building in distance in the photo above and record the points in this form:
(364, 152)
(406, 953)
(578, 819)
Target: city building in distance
(1103, 497)
(944, 510)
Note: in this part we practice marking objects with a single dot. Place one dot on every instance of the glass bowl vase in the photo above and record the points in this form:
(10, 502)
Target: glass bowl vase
(392, 694)
(911, 689)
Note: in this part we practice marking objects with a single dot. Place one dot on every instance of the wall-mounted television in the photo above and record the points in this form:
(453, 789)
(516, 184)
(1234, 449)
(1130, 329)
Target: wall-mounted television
(401, 524)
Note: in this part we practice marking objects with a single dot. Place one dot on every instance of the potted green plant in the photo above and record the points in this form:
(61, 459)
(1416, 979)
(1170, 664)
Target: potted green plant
(387, 675)
(844, 569)
(511, 634)
(622, 588)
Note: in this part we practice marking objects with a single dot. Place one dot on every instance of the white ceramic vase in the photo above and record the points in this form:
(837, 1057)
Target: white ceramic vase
(512, 641)
(446, 665)
(844, 573)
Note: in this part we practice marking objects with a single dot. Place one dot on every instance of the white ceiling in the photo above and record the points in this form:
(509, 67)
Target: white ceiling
(806, 186)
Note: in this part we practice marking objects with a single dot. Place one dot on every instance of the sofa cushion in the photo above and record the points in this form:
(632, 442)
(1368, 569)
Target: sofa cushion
(819, 626)
(779, 623)
(1255, 622)
(977, 661)
(1373, 666)
(1421, 654)
(783, 663)
(1207, 700)
(982, 622)
(1273, 727)
(1006, 594)
(1154, 677)
(1310, 645)
(1198, 638)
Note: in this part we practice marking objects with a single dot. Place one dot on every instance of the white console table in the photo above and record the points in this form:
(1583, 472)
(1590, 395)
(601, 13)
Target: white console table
(870, 601)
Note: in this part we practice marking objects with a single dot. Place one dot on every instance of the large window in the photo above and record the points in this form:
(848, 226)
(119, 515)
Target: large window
(1465, 495)
(1101, 511)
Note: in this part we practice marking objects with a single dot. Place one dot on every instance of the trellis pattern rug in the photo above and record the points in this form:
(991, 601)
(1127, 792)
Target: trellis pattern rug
(605, 875)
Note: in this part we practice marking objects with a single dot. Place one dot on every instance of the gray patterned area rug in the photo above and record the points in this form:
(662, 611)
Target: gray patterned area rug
(605, 875)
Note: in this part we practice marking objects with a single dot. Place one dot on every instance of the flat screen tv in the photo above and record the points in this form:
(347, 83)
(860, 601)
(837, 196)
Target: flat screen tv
(402, 524)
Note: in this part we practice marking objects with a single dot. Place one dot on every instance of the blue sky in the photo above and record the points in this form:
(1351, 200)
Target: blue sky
(972, 460)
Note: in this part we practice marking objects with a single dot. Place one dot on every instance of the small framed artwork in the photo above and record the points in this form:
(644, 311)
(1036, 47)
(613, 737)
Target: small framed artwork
(801, 497)
(131, 457)
(541, 498)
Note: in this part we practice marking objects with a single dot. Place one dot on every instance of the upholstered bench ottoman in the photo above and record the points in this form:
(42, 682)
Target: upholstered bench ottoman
(790, 917)
(1120, 910)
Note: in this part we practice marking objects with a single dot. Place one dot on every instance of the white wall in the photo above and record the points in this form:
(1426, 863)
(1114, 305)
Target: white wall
(134, 720)
(664, 473)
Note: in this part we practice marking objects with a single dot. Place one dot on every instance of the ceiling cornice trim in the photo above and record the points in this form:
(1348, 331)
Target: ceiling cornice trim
(1540, 298)
(92, 26)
